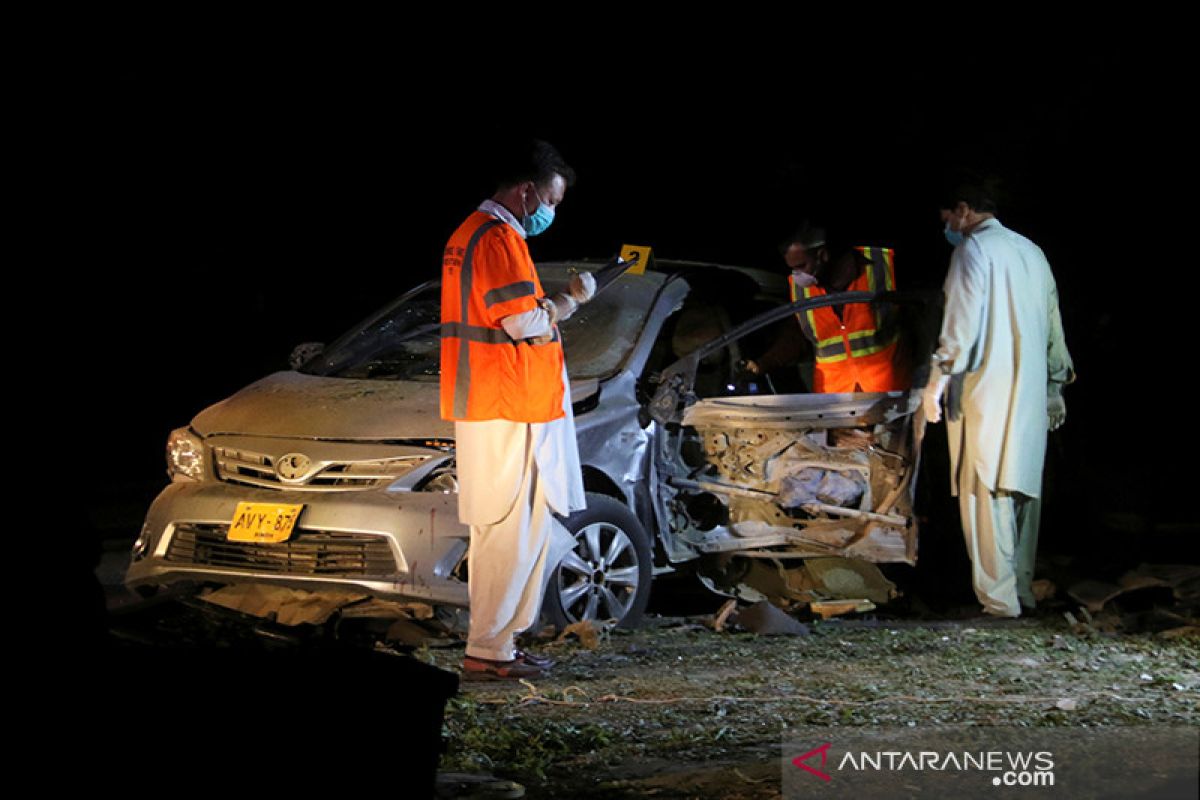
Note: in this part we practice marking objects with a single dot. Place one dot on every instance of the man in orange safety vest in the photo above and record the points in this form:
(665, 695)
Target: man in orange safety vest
(855, 345)
(504, 383)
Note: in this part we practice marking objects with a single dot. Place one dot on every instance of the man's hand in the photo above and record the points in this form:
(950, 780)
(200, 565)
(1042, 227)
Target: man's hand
(931, 397)
(750, 367)
(1056, 407)
(582, 287)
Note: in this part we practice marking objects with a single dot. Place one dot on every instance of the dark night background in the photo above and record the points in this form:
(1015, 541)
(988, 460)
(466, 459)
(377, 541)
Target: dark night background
(219, 208)
(235, 209)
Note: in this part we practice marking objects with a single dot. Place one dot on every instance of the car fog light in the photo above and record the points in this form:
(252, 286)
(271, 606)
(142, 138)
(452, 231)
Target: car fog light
(142, 545)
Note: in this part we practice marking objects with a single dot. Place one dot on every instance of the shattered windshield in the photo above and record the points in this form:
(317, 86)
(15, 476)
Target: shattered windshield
(599, 335)
(401, 341)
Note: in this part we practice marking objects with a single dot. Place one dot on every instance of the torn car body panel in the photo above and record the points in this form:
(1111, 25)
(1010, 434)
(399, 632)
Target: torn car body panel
(783, 477)
(788, 476)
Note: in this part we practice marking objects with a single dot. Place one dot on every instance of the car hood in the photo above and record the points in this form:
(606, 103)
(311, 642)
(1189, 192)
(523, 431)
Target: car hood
(296, 405)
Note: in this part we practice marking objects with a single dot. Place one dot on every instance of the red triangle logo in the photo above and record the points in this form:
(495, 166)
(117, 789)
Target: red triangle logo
(824, 751)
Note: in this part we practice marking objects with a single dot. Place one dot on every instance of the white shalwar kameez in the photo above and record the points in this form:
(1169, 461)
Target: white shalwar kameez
(1002, 342)
(513, 477)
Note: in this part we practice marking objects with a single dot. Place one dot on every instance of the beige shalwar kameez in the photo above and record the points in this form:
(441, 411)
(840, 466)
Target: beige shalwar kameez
(1002, 342)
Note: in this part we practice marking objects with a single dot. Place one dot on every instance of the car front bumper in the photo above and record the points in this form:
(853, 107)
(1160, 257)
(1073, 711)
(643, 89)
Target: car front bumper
(397, 544)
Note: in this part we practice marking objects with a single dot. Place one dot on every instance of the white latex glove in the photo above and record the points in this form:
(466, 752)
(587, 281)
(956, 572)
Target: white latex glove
(561, 306)
(1056, 407)
(931, 397)
(582, 287)
(558, 307)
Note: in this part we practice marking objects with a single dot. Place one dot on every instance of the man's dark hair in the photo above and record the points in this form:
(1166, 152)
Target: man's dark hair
(812, 237)
(980, 194)
(535, 161)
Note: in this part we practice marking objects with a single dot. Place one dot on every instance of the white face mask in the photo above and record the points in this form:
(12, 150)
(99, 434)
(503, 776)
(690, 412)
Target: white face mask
(803, 279)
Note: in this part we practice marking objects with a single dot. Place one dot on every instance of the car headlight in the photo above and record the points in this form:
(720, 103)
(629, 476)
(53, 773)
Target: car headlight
(185, 455)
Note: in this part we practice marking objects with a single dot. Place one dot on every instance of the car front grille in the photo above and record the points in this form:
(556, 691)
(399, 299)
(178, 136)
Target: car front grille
(256, 469)
(322, 553)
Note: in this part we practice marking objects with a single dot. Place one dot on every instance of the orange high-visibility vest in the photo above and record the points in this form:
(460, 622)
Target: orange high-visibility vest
(487, 275)
(855, 353)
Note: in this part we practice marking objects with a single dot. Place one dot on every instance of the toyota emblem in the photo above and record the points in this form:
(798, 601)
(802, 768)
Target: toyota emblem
(293, 467)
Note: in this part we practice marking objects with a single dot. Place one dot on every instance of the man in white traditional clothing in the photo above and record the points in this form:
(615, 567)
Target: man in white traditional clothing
(504, 383)
(1004, 358)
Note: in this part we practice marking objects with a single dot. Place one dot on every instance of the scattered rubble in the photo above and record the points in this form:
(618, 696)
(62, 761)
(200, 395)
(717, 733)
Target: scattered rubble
(834, 608)
(1182, 579)
(1044, 590)
(411, 624)
(766, 619)
(280, 604)
(588, 633)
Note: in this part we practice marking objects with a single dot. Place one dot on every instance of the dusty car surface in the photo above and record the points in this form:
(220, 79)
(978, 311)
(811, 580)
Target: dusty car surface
(340, 472)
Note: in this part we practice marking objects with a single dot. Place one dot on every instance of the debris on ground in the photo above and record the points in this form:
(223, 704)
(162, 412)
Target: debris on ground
(690, 713)
(281, 604)
(410, 623)
(1181, 631)
(375, 607)
(1044, 590)
(721, 618)
(1183, 581)
(766, 619)
(672, 704)
(1086, 623)
(476, 785)
(588, 632)
(835, 608)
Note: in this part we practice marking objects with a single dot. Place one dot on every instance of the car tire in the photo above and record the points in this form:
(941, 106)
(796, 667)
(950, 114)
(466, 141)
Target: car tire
(585, 584)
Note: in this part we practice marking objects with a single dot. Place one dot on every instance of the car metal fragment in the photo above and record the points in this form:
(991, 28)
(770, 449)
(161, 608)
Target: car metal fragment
(849, 578)
(834, 608)
(286, 606)
(766, 619)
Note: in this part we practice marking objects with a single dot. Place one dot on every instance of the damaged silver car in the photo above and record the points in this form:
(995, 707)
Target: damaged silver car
(339, 473)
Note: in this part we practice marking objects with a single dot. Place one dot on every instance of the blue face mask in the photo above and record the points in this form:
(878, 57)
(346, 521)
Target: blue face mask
(540, 220)
(955, 238)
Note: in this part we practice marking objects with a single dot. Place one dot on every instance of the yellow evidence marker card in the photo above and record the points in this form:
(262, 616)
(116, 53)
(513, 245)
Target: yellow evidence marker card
(628, 251)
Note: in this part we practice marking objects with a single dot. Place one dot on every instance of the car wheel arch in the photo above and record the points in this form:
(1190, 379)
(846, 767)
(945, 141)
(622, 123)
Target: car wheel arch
(617, 522)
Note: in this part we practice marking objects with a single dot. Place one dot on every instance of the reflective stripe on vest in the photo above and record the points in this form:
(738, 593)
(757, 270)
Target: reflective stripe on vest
(865, 340)
(475, 333)
(510, 292)
(462, 374)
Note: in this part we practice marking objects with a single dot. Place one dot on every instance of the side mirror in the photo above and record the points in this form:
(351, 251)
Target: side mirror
(303, 353)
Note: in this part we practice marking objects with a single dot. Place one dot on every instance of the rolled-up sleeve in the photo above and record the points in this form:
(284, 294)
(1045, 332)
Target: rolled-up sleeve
(529, 324)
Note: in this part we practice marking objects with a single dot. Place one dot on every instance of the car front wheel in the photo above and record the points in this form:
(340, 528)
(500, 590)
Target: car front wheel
(608, 574)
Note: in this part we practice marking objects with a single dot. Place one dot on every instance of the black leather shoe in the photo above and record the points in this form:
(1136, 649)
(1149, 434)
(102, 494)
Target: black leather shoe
(533, 660)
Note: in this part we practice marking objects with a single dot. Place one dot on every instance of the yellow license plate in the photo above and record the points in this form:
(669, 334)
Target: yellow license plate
(263, 522)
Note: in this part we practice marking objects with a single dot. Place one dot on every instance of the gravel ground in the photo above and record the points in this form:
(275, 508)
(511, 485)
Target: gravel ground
(678, 710)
